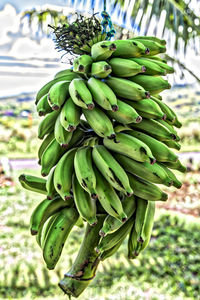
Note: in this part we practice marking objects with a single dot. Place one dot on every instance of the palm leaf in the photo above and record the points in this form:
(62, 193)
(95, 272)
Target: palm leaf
(179, 20)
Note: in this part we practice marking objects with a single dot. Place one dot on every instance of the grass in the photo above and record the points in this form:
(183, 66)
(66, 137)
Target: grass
(168, 269)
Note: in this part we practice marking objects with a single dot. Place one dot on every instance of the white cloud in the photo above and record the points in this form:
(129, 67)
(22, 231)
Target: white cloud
(9, 22)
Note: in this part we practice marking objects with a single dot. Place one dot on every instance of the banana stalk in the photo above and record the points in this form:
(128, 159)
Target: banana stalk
(84, 268)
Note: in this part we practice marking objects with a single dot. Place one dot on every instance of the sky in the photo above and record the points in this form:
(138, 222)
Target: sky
(24, 58)
(24, 4)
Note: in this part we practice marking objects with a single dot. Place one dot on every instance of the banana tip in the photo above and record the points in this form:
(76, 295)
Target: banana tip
(94, 196)
(152, 160)
(94, 223)
(147, 94)
(143, 69)
(55, 107)
(90, 106)
(115, 107)
(147, 51)
(164, 197)
(50, 267)
(124, 219)
(112, 136)
(67, 198)
(102, 233)
(139, 119)
(64, 145)
(22, 177)
(34, 232)
(129, 194)
(113, 47)
(97, 250)
(41, 113)
(81, 68)
(71, 128)
(164, 117)
(44, 174)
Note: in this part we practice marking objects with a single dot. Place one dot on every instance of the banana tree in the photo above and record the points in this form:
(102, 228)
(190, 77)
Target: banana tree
(174, 20)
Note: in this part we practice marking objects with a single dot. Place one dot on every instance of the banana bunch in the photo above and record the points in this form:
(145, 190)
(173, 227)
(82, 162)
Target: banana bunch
(107, 143)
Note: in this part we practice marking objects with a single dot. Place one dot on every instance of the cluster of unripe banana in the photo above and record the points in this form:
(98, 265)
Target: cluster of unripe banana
(107, 143)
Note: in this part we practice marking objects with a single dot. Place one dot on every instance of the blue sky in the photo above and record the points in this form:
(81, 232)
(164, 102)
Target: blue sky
(24, 4)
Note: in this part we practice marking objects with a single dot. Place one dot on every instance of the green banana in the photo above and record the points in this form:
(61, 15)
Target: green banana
(122, 67)
(128, 48)
(114, 238)
(170, 128)
(46, 126)
(154, 47)
(126, 113)
(43, 107)
(160, 151)
(51, 191)
(151, 67)
(108, 198)
(107, 253)
(33, 183)
(175, 122)
(112, 224)
(172, 118)
(42, 232)
(63, 73)
(135, 247)
(80, 94)
(63, 174)
(127, 89)
(165, 108)
(100, 69)
(141, 210)
(58, 94)
(133, 244)
(157, 58)
(44, 145)
(45, 89)
(172, 144)
(84, 204)
(84, 170)
(148, 226)
(131, 147)
(70, 115)
(102, 50)
(102, 94)
(154, 129)
(147, 109)
(51, 156)
(146, 190)
(150, 38)
(62, 136)
(99, 122)
(111, 169)
(43, 211)
(162, 65)
(82, 64)
(153, 84)
(153, 173)
(171, 175)
(57, 235)
(177, 165)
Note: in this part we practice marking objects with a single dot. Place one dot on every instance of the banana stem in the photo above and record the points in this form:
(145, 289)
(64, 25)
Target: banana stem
(84, 268)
